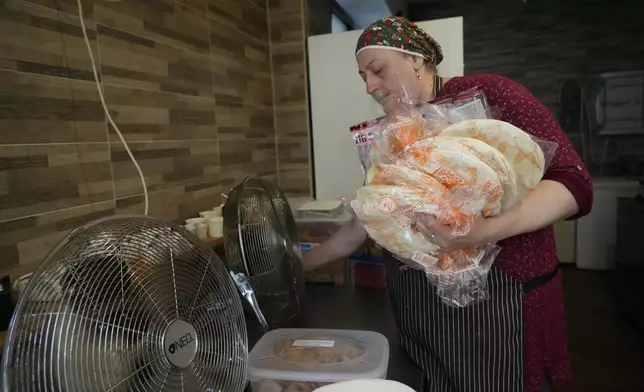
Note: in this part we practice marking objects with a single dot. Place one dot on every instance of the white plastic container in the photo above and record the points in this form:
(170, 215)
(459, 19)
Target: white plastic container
(209, 214)
(216, 227)
(202, 230)
(195, 220)
(192, 227)
(307, 359)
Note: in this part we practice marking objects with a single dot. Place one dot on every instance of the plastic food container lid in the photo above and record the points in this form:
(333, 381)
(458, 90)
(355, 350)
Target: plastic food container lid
(321, 205)
(319, 355)
(366, 386)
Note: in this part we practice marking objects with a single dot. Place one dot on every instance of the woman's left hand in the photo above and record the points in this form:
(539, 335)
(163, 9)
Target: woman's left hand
(441, 235)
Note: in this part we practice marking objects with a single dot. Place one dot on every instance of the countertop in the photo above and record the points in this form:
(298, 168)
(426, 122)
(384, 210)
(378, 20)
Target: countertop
(339, 307)
(330, 306)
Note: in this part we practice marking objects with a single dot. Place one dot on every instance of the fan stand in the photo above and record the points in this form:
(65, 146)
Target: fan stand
(247, 292)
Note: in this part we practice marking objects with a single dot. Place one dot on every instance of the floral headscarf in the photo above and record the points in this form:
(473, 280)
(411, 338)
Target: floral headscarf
(399, 34)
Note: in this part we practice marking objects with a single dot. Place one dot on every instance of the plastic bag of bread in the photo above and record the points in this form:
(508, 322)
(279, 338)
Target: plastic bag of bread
(391, 133)
(527, 156)
(440, 176)
(457, 169)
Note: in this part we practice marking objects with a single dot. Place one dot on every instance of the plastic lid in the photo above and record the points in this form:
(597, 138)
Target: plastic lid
(308, 217)
(321, 205)
(319, 355)
(365, 386)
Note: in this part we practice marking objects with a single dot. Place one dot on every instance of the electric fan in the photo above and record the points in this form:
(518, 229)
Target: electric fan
(262, 248)
(128, 303)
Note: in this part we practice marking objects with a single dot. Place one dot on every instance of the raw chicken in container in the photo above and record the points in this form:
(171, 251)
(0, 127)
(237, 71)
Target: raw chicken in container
(301, 360)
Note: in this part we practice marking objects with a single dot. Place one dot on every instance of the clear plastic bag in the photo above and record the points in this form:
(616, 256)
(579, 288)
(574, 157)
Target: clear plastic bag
(450, 159)
(467, 105)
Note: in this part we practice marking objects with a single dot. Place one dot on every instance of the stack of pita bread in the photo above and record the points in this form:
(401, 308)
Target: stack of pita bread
(458, 173)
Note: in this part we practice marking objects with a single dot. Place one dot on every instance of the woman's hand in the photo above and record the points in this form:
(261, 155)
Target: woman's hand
(441, 235)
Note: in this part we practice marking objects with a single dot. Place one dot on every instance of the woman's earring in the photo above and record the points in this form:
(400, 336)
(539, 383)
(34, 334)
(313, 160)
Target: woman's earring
(418, 74)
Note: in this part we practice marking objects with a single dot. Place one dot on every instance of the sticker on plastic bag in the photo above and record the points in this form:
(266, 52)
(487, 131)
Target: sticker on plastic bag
(314, 343)
(363, 137)
(424, 258)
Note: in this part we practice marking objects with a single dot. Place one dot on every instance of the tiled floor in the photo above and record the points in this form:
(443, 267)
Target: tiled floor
(607, 351)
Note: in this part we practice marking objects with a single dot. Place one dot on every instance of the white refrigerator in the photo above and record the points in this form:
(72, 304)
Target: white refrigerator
(339, 100)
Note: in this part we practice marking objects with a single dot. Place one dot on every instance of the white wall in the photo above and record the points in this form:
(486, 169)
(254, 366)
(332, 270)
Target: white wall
(597, 232)
(339, 100)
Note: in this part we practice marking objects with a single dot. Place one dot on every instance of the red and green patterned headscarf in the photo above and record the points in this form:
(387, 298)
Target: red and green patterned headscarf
(399, 34)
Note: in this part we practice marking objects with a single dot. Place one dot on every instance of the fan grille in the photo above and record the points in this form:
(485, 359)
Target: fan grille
(128, 303)
(262, 242)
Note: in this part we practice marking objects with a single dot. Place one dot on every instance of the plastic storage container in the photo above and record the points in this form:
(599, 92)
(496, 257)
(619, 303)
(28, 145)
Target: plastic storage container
(305, 359)
(315, 230)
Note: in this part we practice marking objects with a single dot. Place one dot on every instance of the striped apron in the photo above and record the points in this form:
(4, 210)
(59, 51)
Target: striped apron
(478, 348)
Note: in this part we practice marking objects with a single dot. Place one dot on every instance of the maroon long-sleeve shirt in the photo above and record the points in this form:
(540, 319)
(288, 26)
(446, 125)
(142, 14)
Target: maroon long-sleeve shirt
(531, 255)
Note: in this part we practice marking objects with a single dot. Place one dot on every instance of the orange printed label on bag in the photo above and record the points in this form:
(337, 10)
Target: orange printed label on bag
(424, 258)
(387, 204)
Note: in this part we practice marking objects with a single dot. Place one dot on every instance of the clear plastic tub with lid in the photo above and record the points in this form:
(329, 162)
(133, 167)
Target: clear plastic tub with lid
(302, 360)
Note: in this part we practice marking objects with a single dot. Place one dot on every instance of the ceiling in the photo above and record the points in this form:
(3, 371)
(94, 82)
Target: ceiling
(365, 12)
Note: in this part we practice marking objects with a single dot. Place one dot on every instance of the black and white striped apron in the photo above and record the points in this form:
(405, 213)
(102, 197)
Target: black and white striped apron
(478, 348)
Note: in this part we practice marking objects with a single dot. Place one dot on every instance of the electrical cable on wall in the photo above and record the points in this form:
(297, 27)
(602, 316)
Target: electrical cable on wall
(106, 110)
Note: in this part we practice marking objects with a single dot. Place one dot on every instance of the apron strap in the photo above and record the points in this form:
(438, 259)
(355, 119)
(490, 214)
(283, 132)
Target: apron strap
(438, 84)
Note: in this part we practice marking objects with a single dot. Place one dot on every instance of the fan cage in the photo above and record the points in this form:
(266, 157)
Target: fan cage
(261, 241)
(98, 314)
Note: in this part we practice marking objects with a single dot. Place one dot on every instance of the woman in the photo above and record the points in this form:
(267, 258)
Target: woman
(516, 340)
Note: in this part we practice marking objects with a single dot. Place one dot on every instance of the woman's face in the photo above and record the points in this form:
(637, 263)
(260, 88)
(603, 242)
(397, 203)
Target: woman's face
(388, 73)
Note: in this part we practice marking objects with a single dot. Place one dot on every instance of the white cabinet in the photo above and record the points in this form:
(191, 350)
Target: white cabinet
(565, 237)
(596, 232)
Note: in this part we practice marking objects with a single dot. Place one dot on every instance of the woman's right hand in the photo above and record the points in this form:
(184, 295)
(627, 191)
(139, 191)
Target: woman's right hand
(342, 244)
